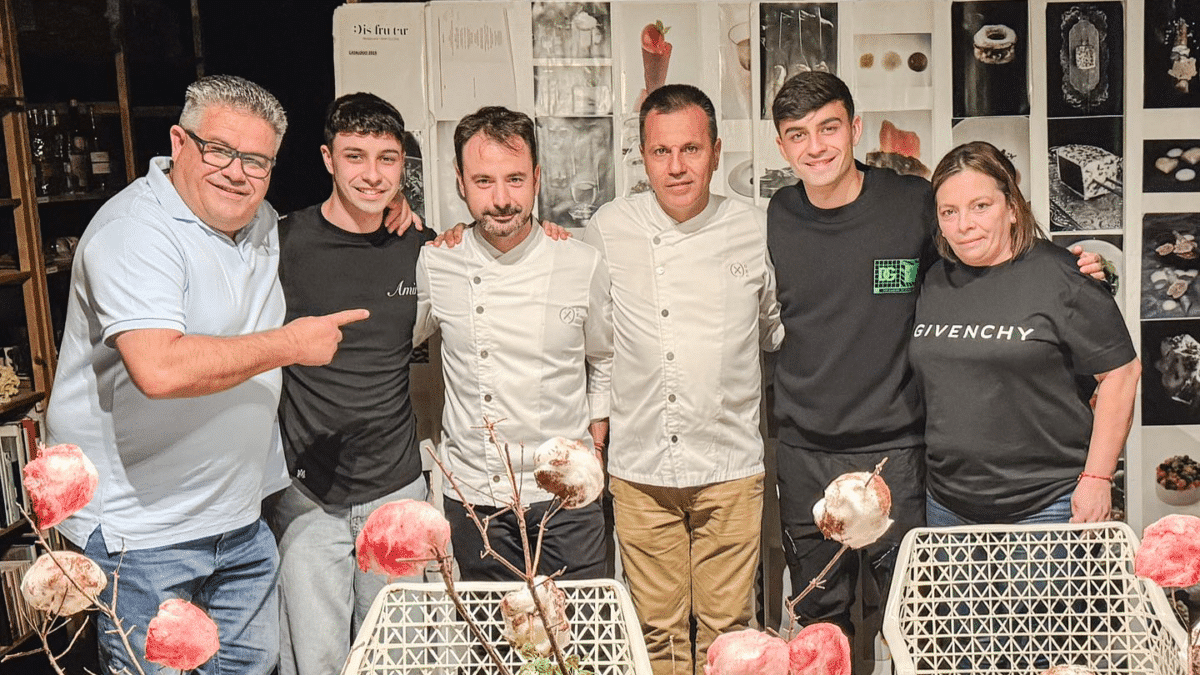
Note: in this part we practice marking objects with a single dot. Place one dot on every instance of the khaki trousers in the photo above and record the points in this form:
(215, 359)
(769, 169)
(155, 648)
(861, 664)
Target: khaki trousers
(689, 552)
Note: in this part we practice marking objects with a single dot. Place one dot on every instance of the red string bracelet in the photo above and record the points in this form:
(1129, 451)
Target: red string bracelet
(1093, 475)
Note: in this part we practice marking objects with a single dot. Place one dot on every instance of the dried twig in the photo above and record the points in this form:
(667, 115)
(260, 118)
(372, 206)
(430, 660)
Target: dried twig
(820, 578)
(481, 524)
(446, 569)
(109, 610)
(532, 553)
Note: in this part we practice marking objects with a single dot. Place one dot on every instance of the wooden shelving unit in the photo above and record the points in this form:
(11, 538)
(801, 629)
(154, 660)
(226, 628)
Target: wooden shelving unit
(23, 202)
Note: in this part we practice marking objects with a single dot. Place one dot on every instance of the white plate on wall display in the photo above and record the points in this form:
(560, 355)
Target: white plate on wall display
(1110, 252)
(741, 178)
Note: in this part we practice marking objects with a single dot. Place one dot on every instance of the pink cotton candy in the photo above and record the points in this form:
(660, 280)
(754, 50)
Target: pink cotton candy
(1170, 551)
(400, 537)
(747, 652)
(819, 649)
(60, 481)
(181, 636)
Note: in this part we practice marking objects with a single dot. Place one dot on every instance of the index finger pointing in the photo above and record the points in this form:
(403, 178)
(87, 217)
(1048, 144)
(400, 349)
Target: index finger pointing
(349, 316)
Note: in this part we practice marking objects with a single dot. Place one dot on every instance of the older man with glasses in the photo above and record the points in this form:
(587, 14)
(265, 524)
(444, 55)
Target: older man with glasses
(169, 379)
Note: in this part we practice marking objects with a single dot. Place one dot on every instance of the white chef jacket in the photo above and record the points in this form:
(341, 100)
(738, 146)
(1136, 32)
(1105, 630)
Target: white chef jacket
(693, 302)
(526, 343)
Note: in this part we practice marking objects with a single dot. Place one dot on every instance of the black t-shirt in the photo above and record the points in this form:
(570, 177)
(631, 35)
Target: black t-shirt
(1005, 356)
(348, 428)
(848, 280)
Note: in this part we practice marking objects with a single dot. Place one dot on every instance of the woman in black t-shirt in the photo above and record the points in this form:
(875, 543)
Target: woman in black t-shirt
(1010, 343)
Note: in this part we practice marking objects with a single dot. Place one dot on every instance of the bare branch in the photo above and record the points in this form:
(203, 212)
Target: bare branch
(109, 610)
(447, 573)
(820, 578)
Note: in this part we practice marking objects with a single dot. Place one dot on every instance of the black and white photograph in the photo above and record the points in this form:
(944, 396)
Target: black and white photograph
(1169, 60)
(633, 167)
(571, 30)
(894, 140)
(1171, 372)
(1010, 134)
(990, 62)
(1171, 165)
(893, 71)
(1109, 246)
(771, 171)
(572, 91)
(1170, 264)
(286, 106)
(1086, 161)
(414, 172)
(792, 39)
(451, 209)
(1085, 65)
(739, 174)
(658, 42)
(575, 154)
(736, 60)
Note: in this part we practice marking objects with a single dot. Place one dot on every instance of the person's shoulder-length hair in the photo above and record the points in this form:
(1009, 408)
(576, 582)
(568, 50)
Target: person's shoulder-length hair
(989, 160)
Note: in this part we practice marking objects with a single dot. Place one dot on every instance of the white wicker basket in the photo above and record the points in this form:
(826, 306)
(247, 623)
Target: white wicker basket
(1018, 599)
(414, 628)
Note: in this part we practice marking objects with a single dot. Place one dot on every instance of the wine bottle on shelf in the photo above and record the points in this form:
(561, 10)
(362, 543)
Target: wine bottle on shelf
(39, 145)
(79, 148)
(101, 170)
(60, 153)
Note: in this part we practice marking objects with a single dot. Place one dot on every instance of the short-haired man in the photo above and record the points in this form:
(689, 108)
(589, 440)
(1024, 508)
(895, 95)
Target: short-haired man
(348, 429)
(526, 344)
(850, 245)
(169, 379)
(693, 301)
(849, 242)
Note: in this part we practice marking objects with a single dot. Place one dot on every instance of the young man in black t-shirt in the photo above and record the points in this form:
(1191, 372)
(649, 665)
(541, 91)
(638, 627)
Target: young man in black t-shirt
(348, 429)
(849, 243)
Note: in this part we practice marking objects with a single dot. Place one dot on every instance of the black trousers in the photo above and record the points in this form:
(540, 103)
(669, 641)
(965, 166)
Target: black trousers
(574, 540)
(802, 478)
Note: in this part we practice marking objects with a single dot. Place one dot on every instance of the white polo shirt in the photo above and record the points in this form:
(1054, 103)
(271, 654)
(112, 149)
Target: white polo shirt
(178, 469)
(526, 343)
(693, 303)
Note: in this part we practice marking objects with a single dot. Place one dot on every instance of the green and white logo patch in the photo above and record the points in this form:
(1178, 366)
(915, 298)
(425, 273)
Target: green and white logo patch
(895, 275)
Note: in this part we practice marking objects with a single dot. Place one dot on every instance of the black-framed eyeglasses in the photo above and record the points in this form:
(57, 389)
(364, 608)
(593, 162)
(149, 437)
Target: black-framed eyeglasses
(218, 154)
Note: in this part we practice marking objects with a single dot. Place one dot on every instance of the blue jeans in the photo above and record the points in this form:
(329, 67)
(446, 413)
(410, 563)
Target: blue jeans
(325, 596)
(231, 576)
(937, 515)
(1007, 650)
